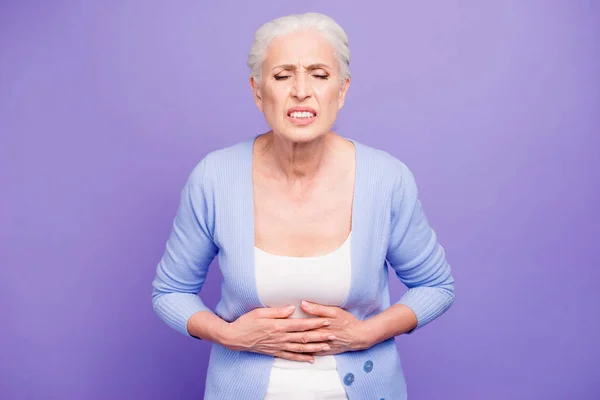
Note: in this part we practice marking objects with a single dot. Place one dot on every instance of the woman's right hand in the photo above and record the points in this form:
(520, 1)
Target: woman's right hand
(269, 331)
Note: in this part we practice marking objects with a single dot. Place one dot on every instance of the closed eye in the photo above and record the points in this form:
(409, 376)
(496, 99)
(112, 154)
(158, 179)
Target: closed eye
(284, 77)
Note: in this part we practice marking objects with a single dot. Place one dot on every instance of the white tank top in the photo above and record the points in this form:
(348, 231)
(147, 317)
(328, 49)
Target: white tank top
(286, 280)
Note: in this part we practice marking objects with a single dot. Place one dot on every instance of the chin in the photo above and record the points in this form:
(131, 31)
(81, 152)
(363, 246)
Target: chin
(305, 134)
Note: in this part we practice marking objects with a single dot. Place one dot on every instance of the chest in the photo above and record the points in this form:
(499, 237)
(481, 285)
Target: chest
(284, 280)
(302, 222)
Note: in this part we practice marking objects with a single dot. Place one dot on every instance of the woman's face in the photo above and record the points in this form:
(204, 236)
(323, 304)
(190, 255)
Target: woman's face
(300, 91)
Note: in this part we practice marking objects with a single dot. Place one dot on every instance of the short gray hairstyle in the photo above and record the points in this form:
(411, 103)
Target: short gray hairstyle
(330, 30)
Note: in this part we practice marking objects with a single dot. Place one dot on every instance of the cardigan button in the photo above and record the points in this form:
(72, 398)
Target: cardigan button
(368, 367)
(349, 379)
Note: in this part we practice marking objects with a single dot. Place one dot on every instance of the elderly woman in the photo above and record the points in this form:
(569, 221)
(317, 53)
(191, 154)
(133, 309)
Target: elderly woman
(304, 223)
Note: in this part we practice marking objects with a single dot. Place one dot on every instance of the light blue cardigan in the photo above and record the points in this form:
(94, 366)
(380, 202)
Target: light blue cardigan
(216, 216)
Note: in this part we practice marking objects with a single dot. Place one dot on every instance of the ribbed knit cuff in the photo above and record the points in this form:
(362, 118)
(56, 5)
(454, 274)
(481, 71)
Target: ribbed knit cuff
(175, 309)
(427, 303)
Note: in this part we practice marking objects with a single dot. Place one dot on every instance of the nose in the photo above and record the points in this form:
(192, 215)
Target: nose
(301, 89)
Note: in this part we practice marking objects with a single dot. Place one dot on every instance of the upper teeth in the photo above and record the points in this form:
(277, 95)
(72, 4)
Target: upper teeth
(302, 114)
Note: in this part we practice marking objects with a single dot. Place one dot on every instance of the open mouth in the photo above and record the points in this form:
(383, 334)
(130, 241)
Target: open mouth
(301, 116)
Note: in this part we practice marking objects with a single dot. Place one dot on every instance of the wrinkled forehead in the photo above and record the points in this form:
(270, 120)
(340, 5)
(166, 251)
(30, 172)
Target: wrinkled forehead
(300, 48)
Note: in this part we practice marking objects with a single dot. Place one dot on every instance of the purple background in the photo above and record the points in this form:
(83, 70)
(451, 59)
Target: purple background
(105, 107)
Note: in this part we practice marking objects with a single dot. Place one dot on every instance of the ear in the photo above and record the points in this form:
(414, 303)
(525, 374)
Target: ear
(342, 94)
(257, 93)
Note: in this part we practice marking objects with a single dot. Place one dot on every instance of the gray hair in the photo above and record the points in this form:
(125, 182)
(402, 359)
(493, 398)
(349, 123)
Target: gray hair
(330, 30)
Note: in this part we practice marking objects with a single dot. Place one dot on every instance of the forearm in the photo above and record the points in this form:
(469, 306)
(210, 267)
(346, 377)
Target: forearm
(206, 325)
(396, 320)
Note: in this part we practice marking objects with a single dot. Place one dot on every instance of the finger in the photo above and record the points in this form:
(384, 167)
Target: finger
(304, 324)
(324, 353)
(275, 312)
(296, 356)
(319, 309)
(305, 348)
(308, 337)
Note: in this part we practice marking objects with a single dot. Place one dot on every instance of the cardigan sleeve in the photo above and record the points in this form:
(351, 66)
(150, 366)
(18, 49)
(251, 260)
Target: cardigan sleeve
(189, 251)
(416, 256)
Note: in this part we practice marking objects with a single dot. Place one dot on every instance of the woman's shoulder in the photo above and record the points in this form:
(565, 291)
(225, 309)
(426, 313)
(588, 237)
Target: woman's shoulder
(230, 159)
(235, 153)
(380, 161)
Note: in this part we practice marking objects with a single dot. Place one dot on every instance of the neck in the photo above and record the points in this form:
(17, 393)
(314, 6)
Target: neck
(296, 161)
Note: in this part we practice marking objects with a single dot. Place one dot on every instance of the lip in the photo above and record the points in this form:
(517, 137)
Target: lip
(300, 108)
(303, 121)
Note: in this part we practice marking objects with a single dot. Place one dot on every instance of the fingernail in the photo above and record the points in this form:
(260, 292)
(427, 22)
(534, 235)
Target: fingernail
(326, 323)
(304, 303)
(312, 361)
(326, 348)
(332, 337)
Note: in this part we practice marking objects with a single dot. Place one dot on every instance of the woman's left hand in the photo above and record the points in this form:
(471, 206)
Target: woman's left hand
(347, 332)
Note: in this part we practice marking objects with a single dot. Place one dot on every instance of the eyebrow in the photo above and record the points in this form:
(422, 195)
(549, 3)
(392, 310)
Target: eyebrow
(309, 67)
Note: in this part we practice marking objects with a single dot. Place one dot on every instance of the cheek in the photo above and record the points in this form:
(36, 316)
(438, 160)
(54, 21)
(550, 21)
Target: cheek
(329, 97)
(274, 99)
